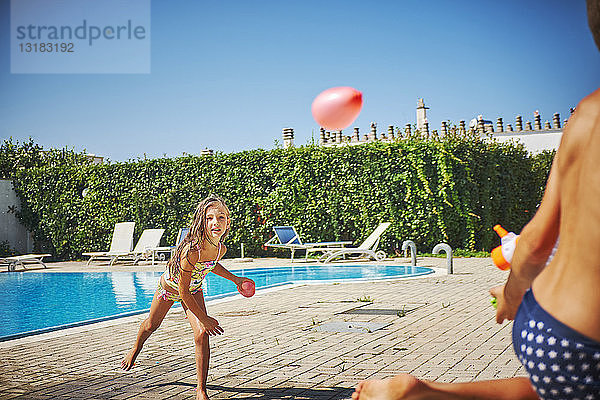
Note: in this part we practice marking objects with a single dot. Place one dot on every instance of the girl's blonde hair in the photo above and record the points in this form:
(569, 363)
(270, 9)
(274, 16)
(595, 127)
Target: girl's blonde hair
(197, 231)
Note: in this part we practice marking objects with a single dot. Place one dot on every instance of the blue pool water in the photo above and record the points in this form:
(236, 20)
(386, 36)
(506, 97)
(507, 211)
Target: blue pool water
(34, 302)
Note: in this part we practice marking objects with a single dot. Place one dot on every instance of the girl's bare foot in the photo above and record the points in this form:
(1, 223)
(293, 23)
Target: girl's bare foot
(129, 360)
(403, 386)
(202, 395)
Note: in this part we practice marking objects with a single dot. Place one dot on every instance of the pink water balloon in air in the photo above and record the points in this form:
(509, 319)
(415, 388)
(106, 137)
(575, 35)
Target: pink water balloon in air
(336, 108)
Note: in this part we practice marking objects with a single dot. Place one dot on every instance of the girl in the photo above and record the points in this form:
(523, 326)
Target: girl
(196, 256)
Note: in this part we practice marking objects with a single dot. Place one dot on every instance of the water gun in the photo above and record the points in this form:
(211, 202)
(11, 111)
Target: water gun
(502, 255)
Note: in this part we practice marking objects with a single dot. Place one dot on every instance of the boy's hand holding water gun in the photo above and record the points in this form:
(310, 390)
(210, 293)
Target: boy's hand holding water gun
(502, 258)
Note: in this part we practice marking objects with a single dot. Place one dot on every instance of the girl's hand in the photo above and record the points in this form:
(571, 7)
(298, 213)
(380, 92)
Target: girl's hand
(239, 280)
(211, 326)
(505, 310)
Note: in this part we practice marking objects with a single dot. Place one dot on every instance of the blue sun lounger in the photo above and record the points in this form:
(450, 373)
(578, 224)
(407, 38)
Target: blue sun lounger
(288, 238)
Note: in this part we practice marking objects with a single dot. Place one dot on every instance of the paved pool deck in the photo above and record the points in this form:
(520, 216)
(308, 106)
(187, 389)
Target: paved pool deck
(295, 342)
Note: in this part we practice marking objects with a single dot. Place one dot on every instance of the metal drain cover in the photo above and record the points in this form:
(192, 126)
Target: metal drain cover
(374, 311)
(341, 326)
(366, 310)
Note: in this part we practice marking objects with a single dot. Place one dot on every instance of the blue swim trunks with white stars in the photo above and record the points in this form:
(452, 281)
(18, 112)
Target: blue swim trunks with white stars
(562, 363)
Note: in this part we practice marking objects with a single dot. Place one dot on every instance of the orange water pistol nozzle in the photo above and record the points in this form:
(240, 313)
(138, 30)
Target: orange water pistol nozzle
(502, 255)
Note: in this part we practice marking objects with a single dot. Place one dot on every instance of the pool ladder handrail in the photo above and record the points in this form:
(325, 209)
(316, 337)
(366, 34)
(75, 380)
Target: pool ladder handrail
(445, 247)
(409, 244)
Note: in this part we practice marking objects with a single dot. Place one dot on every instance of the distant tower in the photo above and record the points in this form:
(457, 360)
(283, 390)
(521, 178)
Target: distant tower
(421, 115)
(288, 137)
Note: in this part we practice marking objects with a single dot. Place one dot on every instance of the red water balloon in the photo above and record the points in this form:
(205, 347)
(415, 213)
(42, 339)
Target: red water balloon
(248, 288)
(336, 108)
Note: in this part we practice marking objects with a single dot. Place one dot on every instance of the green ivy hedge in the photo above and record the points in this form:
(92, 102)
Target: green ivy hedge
(449, 190)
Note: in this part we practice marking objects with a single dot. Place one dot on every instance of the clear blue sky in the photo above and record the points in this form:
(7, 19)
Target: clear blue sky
(229, 75)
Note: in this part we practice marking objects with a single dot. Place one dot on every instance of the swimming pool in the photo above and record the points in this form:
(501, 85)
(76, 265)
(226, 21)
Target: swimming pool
(37, 302)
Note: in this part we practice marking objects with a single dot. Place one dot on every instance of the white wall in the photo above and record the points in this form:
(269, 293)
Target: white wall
(11, 229)
(534, 141)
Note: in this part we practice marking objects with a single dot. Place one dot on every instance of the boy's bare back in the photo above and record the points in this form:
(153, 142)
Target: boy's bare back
(569, 287)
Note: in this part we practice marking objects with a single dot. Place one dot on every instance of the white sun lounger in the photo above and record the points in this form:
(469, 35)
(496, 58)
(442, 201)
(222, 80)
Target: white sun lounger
(149, 240)
(121, 243)
(155, 251)
(367, 248)
(13, 261)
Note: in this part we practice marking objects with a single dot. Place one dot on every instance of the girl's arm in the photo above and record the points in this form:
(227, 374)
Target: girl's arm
(188, 260)
(224, 273)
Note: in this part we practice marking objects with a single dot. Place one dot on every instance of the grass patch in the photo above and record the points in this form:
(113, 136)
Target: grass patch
(459, 253)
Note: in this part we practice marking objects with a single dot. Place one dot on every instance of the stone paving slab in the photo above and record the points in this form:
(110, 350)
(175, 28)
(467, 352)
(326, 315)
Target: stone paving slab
(271, 348)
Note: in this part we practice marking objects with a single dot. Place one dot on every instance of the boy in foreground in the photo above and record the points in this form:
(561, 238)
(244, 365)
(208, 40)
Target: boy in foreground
(556, 333)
